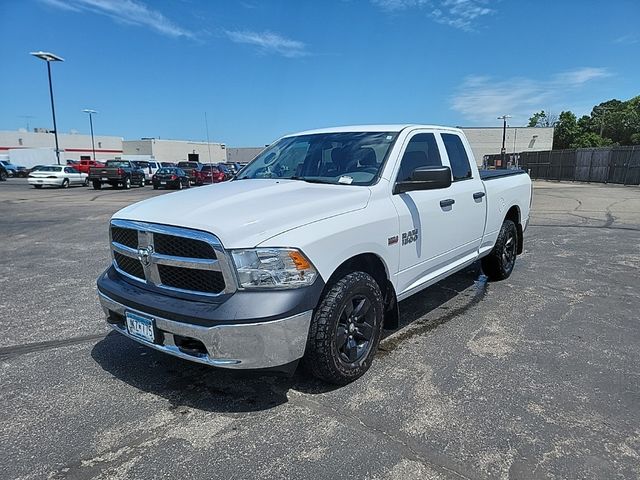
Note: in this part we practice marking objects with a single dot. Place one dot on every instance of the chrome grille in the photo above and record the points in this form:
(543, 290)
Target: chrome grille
(171, 258)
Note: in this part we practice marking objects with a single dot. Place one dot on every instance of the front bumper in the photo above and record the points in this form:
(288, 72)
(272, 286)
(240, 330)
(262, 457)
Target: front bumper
(237, 346)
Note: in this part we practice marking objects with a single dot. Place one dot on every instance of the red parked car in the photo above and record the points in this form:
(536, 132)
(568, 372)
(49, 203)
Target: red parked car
(210, 174)
(84, 165)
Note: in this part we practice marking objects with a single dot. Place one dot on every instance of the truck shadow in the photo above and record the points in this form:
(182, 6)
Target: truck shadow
(187, 384)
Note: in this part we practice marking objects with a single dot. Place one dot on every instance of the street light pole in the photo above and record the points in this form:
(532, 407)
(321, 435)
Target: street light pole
(503, 151)
(50, 57)
(93, 145)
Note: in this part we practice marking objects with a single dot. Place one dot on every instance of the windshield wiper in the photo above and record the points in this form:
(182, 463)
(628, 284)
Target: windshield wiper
(309, 180)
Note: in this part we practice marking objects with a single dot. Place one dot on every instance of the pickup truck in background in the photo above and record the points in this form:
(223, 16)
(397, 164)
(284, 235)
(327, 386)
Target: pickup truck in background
(149, 168)
(191, 169)
(83, 166)
(117, 173)
(307, 251)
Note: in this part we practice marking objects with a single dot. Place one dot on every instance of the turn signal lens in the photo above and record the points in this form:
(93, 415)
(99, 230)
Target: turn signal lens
(299, 260)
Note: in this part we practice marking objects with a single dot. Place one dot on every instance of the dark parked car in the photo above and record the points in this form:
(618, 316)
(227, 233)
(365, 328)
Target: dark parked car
(3, 173)
(190, 169)
(22, 172)
(170, 177)
(167, 164)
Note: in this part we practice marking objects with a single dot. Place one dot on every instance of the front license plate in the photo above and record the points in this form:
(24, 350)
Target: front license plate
(104, 179)
(140, 327)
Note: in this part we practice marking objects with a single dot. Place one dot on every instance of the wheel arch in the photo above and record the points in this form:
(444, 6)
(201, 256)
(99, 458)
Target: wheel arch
(375, 266)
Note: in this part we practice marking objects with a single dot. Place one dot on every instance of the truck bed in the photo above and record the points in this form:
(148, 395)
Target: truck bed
(491, 174)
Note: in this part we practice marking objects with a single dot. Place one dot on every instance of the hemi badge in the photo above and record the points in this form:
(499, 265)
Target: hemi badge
(393, 240)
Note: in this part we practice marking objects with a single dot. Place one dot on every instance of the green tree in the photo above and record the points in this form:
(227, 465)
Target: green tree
(590, 140)
(542, 119)
(566, 131)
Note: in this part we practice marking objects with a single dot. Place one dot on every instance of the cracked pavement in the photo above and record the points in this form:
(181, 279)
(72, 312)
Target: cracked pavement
(533, 377)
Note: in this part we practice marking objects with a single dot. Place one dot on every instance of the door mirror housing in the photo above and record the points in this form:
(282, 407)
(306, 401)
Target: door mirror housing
(425, 178)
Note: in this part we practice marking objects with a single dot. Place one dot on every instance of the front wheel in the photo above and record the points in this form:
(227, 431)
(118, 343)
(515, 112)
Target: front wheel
(499, 264)
(345, 329)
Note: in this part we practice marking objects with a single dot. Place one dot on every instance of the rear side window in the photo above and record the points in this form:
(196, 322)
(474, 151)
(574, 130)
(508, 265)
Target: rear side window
(458, 158)
(422, 151)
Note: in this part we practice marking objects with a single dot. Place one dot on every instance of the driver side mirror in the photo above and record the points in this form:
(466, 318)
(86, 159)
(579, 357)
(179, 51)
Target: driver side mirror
(425, 178)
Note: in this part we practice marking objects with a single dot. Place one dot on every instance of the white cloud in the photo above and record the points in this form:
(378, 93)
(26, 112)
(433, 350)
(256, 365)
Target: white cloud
(483, 98)
(129, 12)
(462, 14)
(269, 42)
(627, 40)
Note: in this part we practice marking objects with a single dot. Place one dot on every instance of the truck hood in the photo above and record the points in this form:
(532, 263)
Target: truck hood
(245, 213)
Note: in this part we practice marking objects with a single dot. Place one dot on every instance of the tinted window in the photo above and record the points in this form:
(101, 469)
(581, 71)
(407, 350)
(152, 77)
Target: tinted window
(422, 151)
(460, 167)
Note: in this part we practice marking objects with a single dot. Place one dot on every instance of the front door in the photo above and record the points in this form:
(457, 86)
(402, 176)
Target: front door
(432, 228)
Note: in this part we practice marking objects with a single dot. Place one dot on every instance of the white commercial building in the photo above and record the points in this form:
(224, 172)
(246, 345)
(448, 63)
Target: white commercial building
(176, 150)
(72, 146)
(488, 140)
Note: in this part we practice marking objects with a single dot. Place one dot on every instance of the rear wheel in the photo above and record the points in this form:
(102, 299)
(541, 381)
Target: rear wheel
(127, 183)
(142, 182)
(65, 183)
(155, 187)
(86, 182)
(3, 176)
(345, 329)
(179, 184)
(96, 185)
(499, 264)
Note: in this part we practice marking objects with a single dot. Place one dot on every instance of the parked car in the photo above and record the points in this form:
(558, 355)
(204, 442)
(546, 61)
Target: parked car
(308, 251)
(22, 172)
(57, 176)
(167, 164)
(3, 173)
(190, 168)
(72, 163)
(170, 177)
(149, 168)
(84, 166)
(210, 174)
(117, 173)
(12, 170)
(234, 167)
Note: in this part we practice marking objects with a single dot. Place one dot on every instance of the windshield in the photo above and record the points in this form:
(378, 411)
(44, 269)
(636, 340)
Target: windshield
(167, 171)
(350, 158)
(117, 163)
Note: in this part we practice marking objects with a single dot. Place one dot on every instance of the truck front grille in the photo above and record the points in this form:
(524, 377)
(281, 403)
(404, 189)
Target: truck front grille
(129, 265)
(171, 258)
(191, 279)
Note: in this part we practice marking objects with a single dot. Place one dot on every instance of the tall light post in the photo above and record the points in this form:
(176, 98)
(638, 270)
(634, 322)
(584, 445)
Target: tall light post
(93, 145)
(503, 151)
(50, 57)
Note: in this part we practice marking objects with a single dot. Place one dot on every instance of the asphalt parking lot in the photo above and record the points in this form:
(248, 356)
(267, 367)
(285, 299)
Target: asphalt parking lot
(533, 377)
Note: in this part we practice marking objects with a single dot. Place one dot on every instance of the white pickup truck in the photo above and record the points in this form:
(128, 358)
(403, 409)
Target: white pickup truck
(307, 251)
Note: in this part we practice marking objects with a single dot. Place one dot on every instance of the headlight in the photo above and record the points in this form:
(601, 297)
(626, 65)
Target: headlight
(273, 268)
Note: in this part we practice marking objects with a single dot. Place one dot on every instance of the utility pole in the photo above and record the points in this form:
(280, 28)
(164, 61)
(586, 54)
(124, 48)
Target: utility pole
(503, 151)
(93, 145)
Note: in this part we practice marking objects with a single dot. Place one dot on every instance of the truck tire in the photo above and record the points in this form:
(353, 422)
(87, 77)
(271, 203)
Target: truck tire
(345, 329)
(499, 264)
(127, 183)
(96, 185)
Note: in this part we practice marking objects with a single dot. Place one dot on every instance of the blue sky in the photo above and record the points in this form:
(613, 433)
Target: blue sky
(264, 68)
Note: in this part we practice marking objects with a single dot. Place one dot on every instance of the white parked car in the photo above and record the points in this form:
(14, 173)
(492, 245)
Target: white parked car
(57, 176)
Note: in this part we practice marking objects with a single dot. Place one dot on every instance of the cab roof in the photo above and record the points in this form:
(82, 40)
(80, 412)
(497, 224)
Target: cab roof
(372, 128)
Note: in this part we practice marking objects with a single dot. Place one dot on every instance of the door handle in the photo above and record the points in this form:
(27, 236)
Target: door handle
(478, 195)
(447, 203)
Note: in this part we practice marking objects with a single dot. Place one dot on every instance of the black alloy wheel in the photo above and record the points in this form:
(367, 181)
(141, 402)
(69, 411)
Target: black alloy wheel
(354, 331)
(499, 264)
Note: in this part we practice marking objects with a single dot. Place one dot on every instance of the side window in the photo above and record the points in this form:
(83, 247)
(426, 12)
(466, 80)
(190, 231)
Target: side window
(458, 158)
(421, 151)
(67, 170)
